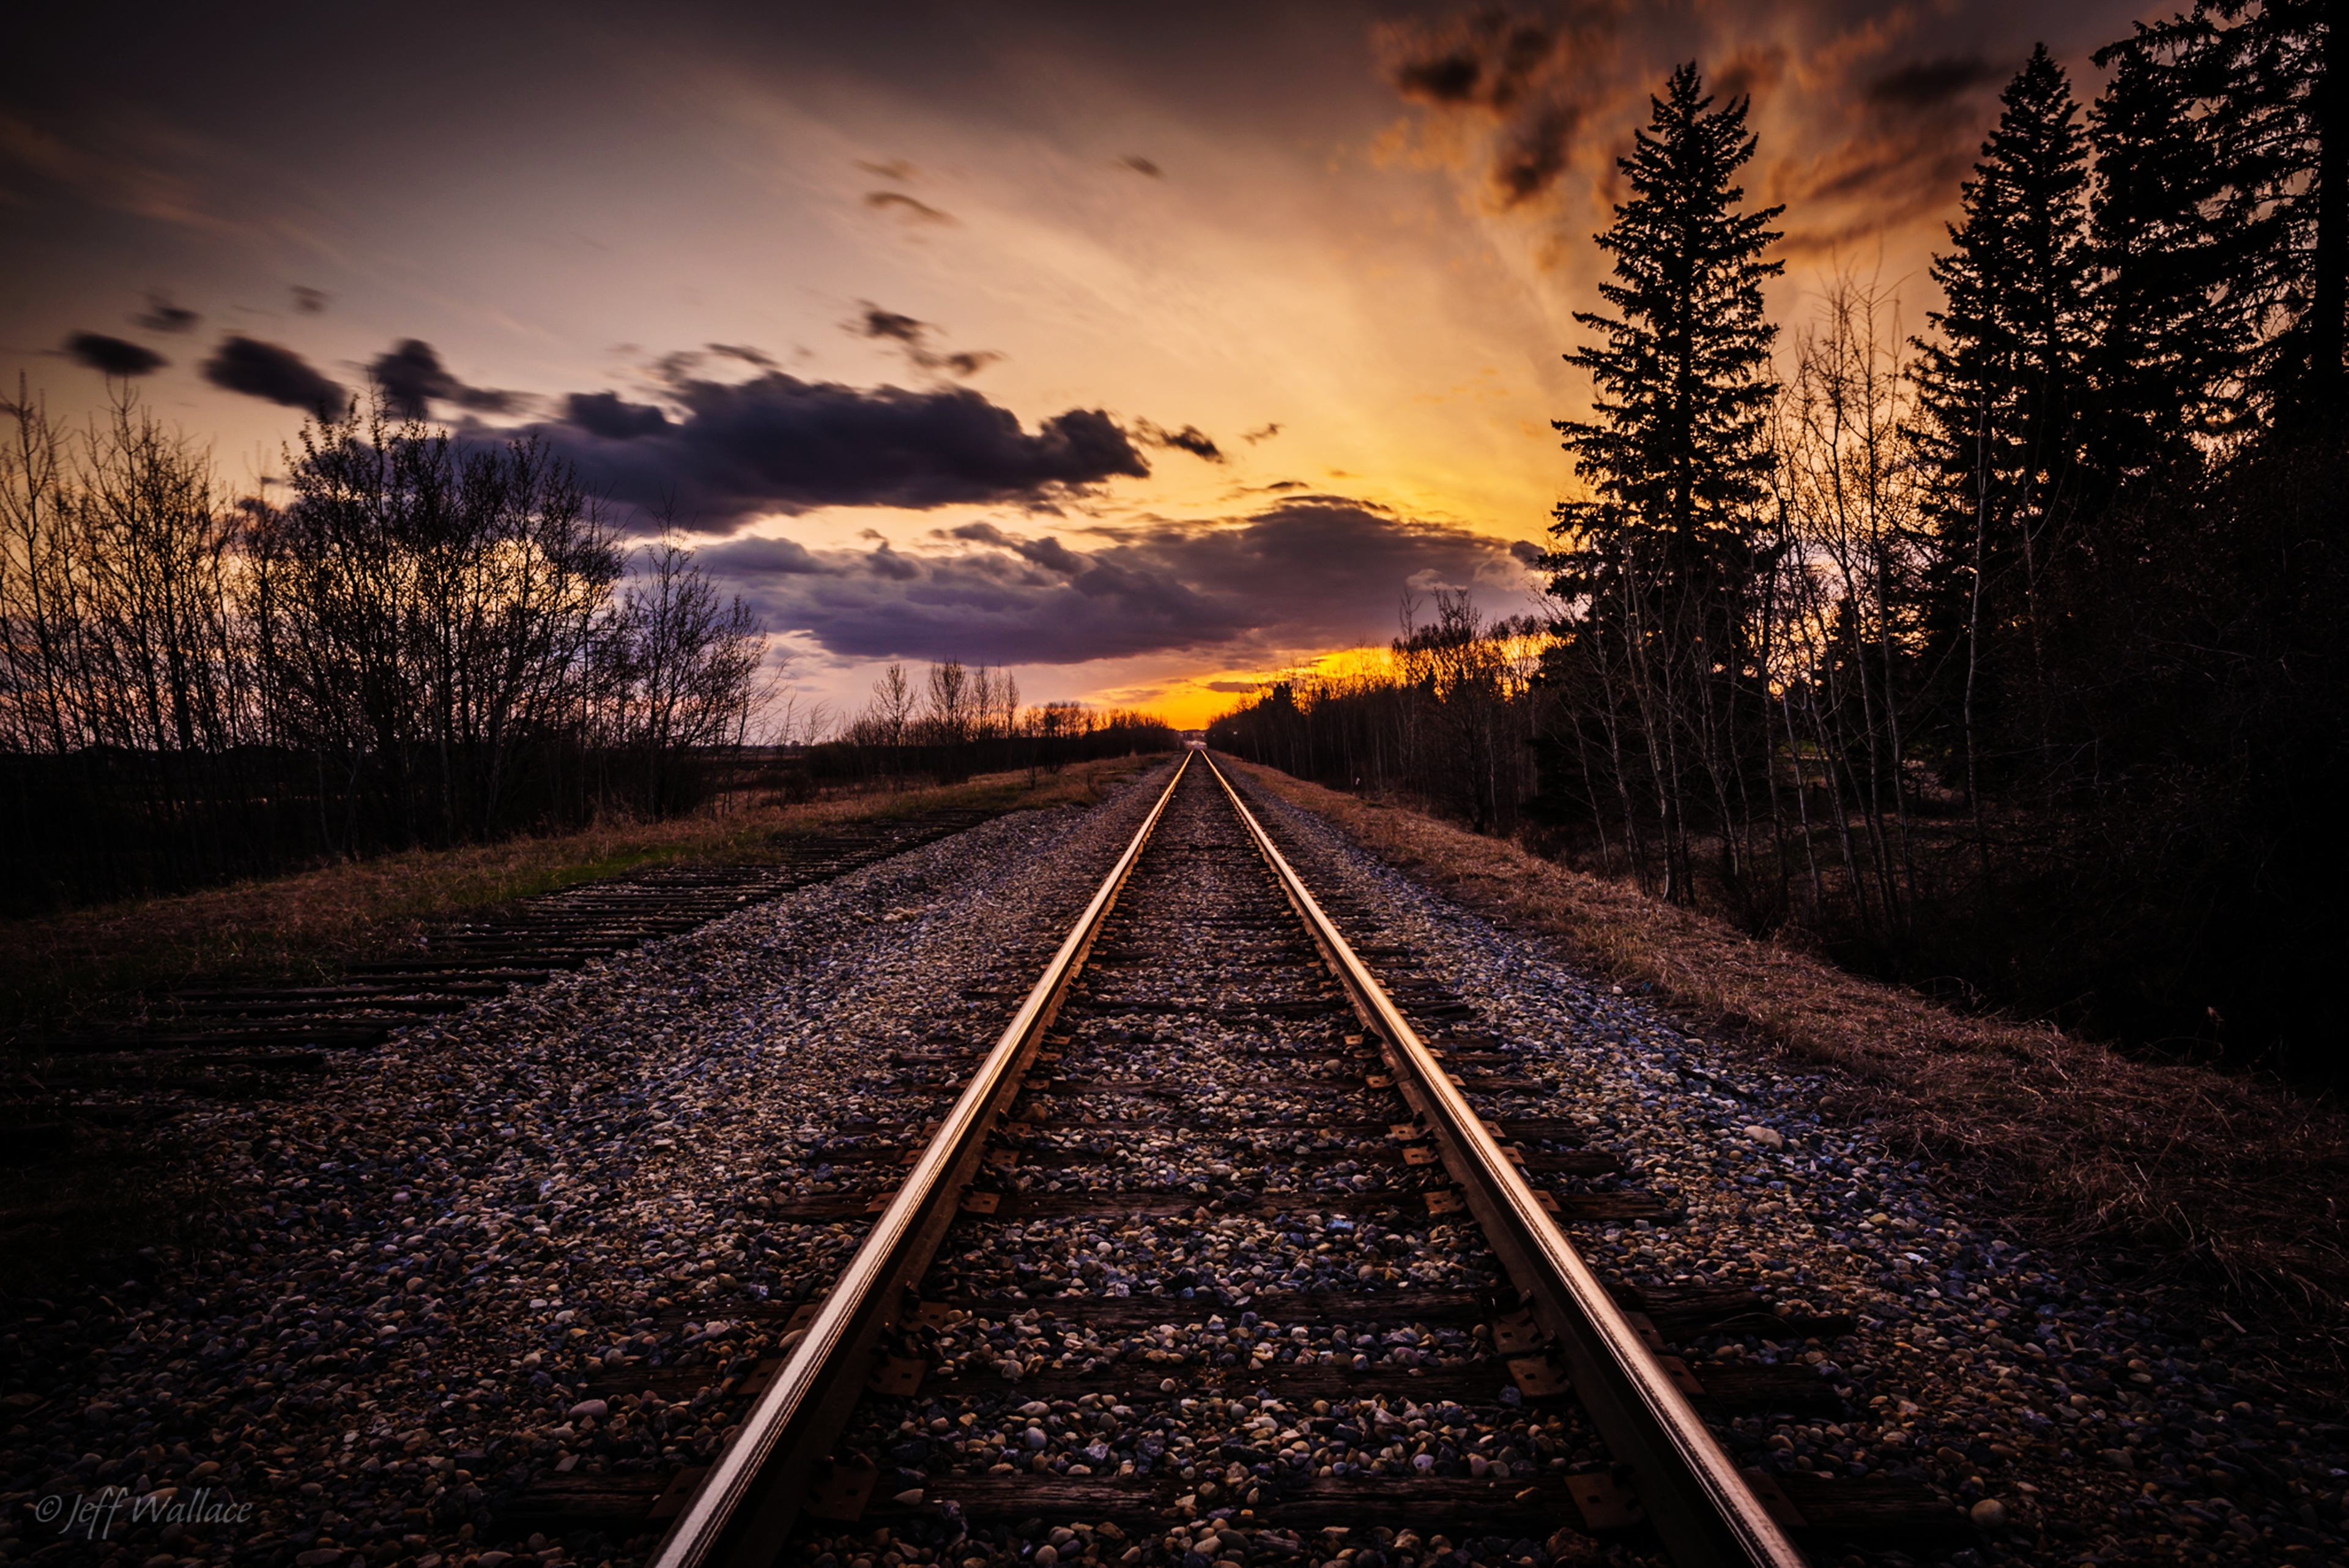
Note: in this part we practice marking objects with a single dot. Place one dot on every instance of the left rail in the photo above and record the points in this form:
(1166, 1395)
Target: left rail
(746, 1505)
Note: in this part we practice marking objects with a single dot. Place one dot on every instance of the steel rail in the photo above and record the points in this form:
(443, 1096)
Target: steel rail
(746, 1505)
(1699, 1502)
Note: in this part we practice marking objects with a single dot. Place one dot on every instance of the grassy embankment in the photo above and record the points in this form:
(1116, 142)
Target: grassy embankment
(2189, 1178)
(65, 970)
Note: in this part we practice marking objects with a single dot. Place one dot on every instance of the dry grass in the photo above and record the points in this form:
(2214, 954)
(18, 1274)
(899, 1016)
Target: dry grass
(84, 1213)
(2189, 1176)
(63, 971)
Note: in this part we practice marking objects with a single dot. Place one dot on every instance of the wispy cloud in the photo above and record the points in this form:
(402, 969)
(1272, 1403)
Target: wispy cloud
(915, 338)
(912, 209)
(162, 315)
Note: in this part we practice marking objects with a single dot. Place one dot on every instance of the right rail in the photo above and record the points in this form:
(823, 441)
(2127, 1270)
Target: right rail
(1694, 1496)
(1700, 1503)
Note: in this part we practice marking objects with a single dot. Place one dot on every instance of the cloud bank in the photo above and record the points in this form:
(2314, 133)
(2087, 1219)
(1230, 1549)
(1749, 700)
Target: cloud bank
(715, 454)
(778, 444)
(1309, 572)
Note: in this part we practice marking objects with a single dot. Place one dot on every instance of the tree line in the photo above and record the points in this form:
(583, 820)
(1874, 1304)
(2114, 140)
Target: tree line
(960, 719)
(2001, 656)
(1447, 712)
(427, 643)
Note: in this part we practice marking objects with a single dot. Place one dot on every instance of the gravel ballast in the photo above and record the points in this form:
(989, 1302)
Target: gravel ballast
(533, 1242)
(423, 1267)
(2094, 1427)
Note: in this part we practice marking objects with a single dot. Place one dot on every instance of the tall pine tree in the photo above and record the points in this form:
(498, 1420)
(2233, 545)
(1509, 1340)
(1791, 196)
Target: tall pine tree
(1675, 451)
(2265, 76)
(2170, 333)
(1655, 566)
(2000, 396)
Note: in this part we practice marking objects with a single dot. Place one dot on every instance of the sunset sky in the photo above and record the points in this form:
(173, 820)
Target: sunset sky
(1143, 349)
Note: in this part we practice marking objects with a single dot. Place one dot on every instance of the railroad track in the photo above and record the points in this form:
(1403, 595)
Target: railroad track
(1226, 1246)
(263, 1042)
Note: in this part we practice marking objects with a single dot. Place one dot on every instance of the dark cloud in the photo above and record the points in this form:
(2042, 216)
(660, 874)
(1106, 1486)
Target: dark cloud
(1304, 573)
(1141, 165)
(894, 169)
(759, 558)
(1048, 553)
(1752, 70)
(1493, 64)
(113, 356)
(1924, 83)
(1907, 141)
(1190, 439)
(879, 323)
(914, 336)
(1262, 432)
(914, 210)
(1449, 77)
(412, 378)
(162, 315)
(729, 451)
(1532, 80)
(1241, 687)
(604, 414)
(1534, 154)
(890, 566)
(1536, 101)
(309, 301)
(266, 370)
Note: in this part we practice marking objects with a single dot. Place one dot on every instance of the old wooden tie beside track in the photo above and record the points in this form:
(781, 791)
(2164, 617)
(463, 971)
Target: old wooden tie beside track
(1421, 1294)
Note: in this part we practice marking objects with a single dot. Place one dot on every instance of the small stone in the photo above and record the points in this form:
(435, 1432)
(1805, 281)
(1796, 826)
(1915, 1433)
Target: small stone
(319, 1556)
(1046, 1556)
(1768, 1137)
(589, 1408)
(1988, 1514)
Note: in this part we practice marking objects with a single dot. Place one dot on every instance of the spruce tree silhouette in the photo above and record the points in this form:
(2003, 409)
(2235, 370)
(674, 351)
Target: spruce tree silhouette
(1675, 454)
